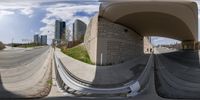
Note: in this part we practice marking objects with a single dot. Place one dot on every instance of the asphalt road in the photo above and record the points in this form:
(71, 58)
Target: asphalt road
(177, 74)
(18, 57)
(21, 70)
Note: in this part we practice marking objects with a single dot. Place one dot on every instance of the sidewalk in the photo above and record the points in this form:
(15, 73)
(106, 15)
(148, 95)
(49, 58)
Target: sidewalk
(55, 91)
(104, 76)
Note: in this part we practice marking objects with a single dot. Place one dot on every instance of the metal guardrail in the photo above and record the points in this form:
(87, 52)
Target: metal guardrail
(66, 82)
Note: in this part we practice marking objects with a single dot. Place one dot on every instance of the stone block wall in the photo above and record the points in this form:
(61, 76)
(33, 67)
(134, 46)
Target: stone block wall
(109, 43)
(117, 43)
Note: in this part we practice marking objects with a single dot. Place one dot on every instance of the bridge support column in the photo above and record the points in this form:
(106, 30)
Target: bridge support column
(197, 46)
(188, 45)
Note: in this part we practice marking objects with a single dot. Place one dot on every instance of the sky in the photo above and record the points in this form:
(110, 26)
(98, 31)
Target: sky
(20, 20)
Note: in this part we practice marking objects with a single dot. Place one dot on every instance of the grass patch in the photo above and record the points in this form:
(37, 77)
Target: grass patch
(78, 52)
(49, 82)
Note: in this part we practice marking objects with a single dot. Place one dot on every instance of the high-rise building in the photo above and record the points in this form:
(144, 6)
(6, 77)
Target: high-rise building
(79, 29)
(43, 39)
(37, 39)
(60, 31)
(57, 29)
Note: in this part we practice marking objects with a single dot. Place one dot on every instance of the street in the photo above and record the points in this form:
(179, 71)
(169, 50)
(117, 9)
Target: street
(179, 72)
(19, 57)
(21, 70)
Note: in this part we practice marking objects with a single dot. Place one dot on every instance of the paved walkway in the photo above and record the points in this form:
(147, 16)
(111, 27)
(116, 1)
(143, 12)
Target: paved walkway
(104, 76)
(55, 91)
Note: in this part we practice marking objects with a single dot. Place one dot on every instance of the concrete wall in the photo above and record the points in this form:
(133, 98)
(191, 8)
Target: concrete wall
(108, 43)
(197, 46)
(116, 43)
(176, 19)
(188, 44)
(147, 46)
(90, 39)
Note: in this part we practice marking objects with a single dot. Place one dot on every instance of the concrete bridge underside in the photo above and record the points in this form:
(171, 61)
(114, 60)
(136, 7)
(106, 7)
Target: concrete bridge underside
(176, 19)
(116, 34)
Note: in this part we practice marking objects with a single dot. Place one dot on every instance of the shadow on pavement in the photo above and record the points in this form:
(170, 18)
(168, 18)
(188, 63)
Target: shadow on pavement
(178, 72)
(119, 74)
(5, 94)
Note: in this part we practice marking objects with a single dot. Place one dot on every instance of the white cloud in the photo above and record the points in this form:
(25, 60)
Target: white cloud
(27, 11)
(26, 8)
(5, 12)
(66, 12)
(163, 40)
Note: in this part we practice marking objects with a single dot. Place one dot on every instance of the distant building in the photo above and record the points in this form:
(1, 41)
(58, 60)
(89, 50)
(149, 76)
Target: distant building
(177, 46)
(37, 39)
(43, 39)
(60, 31)
(79, 29)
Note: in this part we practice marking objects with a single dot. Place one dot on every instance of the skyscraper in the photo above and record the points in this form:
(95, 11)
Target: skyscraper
(43, 39)
(37, 39)
(79, 29)
(60, 31)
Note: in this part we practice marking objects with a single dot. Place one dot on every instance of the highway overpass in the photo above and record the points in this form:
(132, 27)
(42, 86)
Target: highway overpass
(116, 33)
